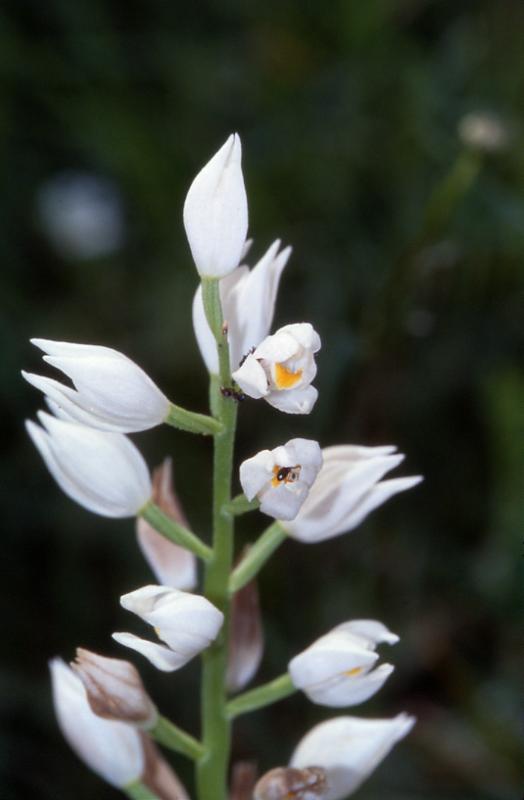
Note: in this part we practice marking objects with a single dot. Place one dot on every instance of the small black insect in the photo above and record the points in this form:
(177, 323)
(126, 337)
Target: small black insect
(249, 352)
(227, 391)
(289, 474)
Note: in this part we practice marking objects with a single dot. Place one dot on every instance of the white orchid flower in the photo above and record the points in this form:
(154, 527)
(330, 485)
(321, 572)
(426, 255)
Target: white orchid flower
(215, 212)
(347, 489)
(114, 689)
(187, 623)
(248, 304)
(111, 749)
(282, 368)
(281, 478)
(337, 669)
(349, 749)
(104, 472)
(111, 393)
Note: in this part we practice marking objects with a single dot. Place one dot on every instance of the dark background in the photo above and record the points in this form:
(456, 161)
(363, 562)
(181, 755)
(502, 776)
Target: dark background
(408, 251)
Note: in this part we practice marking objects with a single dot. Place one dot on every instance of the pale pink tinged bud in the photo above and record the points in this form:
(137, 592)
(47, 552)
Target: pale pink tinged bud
(158, 775)
(172, 565)
(246, 642)
(287, 782)
(243, 779)
(114, 689)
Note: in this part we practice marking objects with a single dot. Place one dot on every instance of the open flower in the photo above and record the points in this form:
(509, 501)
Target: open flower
(281, 478)
(111, 393)
(187, 623)
(215, 212)
(111, 749)
(347, 489)
(336, 670)
(104, 472)
(349, 749)
(114, 689)
(248, 304)
(282, 368)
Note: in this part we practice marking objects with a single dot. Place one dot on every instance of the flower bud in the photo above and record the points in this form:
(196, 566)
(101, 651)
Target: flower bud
(349, 749)
(158, 775)
(282, 783)
(172, 565)
(281, 369)
(187, 623)
(112, 392)
(248, 300)
(104, 472)
(336, 670)
(114, 689)
(281, 478)
(215, 212)
(347, 489)
(246, 638)
(111, 749)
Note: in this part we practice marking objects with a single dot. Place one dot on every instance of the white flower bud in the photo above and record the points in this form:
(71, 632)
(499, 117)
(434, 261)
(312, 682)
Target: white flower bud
(187, 623)
(348, 488)
(281, 478)
(282, 368)
(111, 392)
(336, 670)
(114, 689)
(111, 749)
(215, 212)
(173, 565)
(104, 472)
(248, 304)
(349, 749)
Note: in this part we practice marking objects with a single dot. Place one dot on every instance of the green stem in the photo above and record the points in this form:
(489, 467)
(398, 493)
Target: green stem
(174, 531)
(257, 556)
(190, 421)
(240, 505)
(139, 791)
(173, 737)
(212, 768)
(265, 695)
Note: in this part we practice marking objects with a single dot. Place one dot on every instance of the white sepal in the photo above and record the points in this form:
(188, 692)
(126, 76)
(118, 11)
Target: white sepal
(336, 670)
(215, 212)
(187, 623)
(281, 478)
(159, 655)
(111, 393)
(248, 300)
(282, 368)
(104, 472)
(349, 749)
(348, 488)
(111, 749)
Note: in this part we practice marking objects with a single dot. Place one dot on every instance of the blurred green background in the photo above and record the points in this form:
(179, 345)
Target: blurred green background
(408, 258)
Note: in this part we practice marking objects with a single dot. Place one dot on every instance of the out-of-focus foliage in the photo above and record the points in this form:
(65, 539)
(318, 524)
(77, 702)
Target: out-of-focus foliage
(408, 257)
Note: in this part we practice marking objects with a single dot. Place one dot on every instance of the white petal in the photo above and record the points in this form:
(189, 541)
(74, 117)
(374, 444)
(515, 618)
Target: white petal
(294, 401)
(369, 629)
(278, 347)
(345, 690)
(172, 565)
(304, 334)
(215, 212)
(159, 655)
(204, 336)
(104, 472)
(251, 378)
(375, 498)
(328, 657)
(255, 472)
(349, 749)
(283, 501)
(111, 749)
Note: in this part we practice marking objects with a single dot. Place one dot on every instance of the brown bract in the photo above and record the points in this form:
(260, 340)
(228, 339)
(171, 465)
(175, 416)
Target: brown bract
(288, 783)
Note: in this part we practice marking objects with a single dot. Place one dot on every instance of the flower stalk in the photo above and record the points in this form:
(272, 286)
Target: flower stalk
(192, 422)
(174, 531)
(257, 556)
(171, 736)
(139, 791)
(271, 692)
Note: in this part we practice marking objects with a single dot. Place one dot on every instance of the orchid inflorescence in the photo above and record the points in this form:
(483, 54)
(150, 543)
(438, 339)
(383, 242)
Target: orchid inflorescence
(311, 494)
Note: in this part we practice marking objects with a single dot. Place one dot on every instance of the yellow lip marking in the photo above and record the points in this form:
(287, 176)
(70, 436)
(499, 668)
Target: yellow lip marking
(285, 378)
(351, 673)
